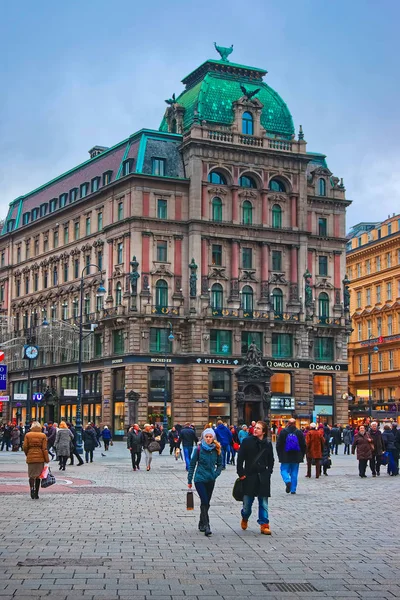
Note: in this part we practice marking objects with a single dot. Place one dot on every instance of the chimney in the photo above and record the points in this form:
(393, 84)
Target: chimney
(96, 150)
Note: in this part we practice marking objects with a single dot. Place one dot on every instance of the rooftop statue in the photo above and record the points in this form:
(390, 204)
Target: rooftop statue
(171, 101)
(248, 94)
(224, 52)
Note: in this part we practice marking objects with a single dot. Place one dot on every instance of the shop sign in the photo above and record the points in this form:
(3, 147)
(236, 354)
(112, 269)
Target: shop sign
(282, 403)
(323, 410)
(305, 364)
(20, 396)
(4, 398)
(200, 400)
(71, 393)
(161, 360)
(3, 377)
(216, 361)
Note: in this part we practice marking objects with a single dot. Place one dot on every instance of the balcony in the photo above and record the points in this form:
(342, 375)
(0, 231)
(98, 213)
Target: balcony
(113, 312)
(329, 321)
(224, 312)
(165, 311)
(286, 316)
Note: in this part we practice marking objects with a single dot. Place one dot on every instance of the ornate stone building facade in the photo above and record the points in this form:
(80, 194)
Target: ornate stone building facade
(220, 227)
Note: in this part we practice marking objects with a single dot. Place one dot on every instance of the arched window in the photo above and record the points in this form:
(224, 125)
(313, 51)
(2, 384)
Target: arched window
(276, 216)
(276, 186)
(247, 182)
(247, 300)
(247, 210)
(216, 177)
(323, 306)
(217, 296)
(277, 302)
(161, 294)
(216, 205)
(118, 294)
(321, 187)
(247, 124)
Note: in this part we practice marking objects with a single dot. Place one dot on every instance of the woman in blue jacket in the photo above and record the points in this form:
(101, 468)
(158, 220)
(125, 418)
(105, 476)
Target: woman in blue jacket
(206, 465)
(106, 435)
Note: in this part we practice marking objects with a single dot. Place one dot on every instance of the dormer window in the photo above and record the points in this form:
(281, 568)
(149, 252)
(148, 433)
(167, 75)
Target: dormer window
(216, 178)
(10, 225)
(247, 124)
(84, 190)
(321, 187)
(35, 214)
(127, 167)
(247, 182)
(107, 177)
(73, 194)
(43, 209)
(25, 218)
(158, 166)
(53, 204)
(95, 184)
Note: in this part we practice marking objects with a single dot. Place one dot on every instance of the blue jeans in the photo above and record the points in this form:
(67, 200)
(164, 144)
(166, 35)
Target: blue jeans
(262, 509)
(224, 453)
(187, 452)
(290, 473)
(392, 466)
(205, 490)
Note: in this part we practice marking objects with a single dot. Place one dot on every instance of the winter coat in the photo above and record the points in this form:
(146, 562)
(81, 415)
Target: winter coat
(15, 436)
(89, 439)
(315, 444)
(243, 434)
(347, 436)
(135, 440)
(258, 473)
(336, 435)
(63, 443)
(51, 436)
(388, 441)
(376, 437)
(207, 462)
(35, 446)
(363, 443)
(147, 437)
(173, 438)
(223, 435)
(106, 435)
(294, 456)
(188, 437)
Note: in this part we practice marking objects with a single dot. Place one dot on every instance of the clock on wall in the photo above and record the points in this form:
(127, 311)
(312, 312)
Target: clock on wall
(31, 352)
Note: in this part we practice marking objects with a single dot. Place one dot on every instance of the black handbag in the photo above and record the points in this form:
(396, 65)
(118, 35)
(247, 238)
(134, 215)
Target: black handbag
(154, 447)
(237, 491)
(50, 480)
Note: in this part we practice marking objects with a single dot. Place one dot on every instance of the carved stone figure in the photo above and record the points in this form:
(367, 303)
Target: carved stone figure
(223, 52)
(346, 293)
(193, 279)
(134, 275)
(254, 355)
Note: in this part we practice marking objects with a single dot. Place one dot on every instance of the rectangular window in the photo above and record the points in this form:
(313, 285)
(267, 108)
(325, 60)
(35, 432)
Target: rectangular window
(390, 325)
(249, 337)
(17, 287)
(27, 249)
(2, 295)
(107, 177)
(120, 252)
(46, 279)
(368, 293)
(388, 260)
(98, 345)
(323, 266)
(379, 326)
(391, 367)
(360, 364)
(55, 276)
(323, 349)
(359, 332)
(55, 238)
(158, 166)
(358, 269)
(118, 341)
(95, 184)
(159, 341)
(45, 244)
(380, 362)
(388, 291)
(88, 226)
(99, 221)
(398, 257)
(65, 272)
(282, 345)
(220, 341)
(66, 234)
(162, 251)
(368, 266)
(43, 210)
(25, 218)
(322, 227)
(76, 268)
(63, 200)
(53, 205)
(18, 254)
(379, 234)
(73, 194)
(247, 258)
(127, 167)
(100, 260)
(35, 282)
(162, 209)
(26, 286)
(87, 263)
(84, 190)
(358, 299)
(276, 260)
(389, 229)
(120, 211)
(76, 230)
(3, 260)
(216, 255)
(369, 328)
(378, 293)
(378, 263)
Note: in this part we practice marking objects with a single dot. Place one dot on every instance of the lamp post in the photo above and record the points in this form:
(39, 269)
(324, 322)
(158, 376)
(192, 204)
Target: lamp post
(375, 350)
(101, 291)
(30, 353)
(169, 339)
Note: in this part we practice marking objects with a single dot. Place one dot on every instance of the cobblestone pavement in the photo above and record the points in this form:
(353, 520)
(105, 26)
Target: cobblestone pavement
(104, 531)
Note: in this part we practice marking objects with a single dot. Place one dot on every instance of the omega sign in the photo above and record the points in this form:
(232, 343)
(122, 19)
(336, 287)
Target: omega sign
(305, 364)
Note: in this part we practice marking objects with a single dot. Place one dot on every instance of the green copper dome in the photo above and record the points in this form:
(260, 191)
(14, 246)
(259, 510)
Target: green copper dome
(213, 87)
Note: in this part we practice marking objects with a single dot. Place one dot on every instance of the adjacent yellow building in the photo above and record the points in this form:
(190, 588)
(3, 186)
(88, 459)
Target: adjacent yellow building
(373, 270)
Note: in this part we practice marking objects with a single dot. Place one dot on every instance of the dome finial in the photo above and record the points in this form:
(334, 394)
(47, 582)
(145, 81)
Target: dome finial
(301, 134)
(223, 52)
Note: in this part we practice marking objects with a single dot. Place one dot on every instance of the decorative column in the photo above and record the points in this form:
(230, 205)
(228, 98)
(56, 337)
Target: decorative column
(128, 207)
(146, 263)
(178, 207)
(204, 267)
(234, 271)
(337, 279)
(127, 248)
(204, 201)
(110, 268)
(235, 205)
(178, 266)
(310, 261)
(146, 204)
(293, 211)
(264, 212)
(264, 272)
(294, 287)
(336, 225)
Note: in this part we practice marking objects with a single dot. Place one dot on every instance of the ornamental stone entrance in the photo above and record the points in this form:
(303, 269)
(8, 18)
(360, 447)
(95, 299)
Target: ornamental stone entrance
(253, 397)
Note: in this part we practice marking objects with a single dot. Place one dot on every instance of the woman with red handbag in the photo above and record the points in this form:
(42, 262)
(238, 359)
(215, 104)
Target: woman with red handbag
(35, 448)
(235, 444)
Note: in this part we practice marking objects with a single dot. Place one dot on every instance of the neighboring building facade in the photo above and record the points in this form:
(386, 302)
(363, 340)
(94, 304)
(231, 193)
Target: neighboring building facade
(237, 234)
(373, 268)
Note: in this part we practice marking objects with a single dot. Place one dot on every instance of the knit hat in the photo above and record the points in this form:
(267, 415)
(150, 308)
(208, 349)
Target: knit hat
(313, 425)
(209, 431)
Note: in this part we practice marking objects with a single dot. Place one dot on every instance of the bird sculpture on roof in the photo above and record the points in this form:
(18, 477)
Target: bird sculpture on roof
(249, 95)
(224, 52)
(172, 100)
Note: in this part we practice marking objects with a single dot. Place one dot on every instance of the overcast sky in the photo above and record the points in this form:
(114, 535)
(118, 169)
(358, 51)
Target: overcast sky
(90, 72)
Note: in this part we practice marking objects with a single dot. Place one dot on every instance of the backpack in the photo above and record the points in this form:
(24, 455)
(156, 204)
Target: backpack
(292, 443)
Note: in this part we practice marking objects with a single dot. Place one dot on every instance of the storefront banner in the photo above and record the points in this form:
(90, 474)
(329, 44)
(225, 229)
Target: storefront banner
(323, 410)
(20, 396)
(282, 403)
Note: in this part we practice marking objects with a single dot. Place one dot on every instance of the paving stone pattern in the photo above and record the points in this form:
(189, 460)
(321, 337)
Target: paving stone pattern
(338, 534)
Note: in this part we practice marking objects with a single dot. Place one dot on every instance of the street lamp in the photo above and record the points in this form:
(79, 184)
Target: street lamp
(30, 341)
(169, 339)
(375, 350)
(101, 291)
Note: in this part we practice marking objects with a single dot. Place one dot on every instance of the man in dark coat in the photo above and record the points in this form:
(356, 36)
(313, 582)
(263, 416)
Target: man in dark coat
(336, 436)
(378, 449)
(73, 447)
(135, 443)
(289, 456)
(51, 438)
(188, 438)
(255, 463)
